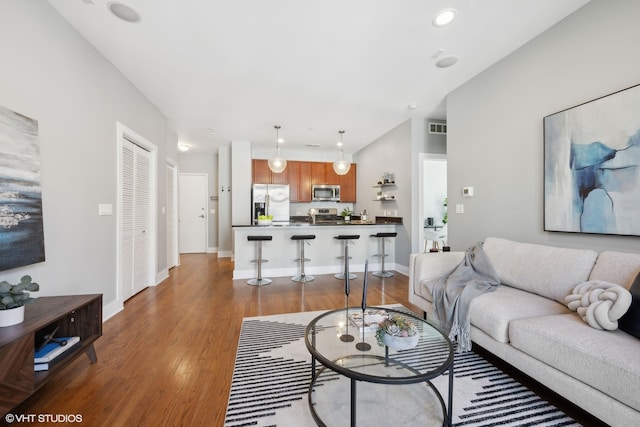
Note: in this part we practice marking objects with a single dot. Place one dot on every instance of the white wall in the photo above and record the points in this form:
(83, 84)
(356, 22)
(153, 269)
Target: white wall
(389, 153)
(51, 74)
(495, 139)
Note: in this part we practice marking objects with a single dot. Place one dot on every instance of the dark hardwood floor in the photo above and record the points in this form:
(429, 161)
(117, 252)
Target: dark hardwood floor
(167, 358)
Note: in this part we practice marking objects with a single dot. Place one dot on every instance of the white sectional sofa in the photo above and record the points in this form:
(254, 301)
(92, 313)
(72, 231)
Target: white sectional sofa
(526, 322)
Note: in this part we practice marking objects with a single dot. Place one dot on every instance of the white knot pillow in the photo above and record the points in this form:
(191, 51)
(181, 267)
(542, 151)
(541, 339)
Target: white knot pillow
(599, 303)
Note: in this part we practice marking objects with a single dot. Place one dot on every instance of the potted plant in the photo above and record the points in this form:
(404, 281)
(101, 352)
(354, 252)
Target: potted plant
(346, 214)
(13, 298)
(397, 332)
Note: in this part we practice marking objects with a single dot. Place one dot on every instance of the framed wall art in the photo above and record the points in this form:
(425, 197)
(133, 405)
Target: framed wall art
(21, 228)
(592, 166)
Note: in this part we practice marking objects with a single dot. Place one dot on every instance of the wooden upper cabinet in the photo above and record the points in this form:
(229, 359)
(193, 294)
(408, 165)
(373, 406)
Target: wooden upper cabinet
(280, 178)
(331, 177)
(302, 175)
(261, 172)
(293, 174)
(318, 173)
(348, 185)
(304, 189)
(263, 175)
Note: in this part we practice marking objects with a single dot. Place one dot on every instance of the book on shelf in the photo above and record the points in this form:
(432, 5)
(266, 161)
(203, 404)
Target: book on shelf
(52, 350)
(371, 320)
(45, 366)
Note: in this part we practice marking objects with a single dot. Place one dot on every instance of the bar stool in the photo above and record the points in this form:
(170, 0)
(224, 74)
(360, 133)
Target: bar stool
(302, 239)
(259, 281)
(383, 255)
(346, 238)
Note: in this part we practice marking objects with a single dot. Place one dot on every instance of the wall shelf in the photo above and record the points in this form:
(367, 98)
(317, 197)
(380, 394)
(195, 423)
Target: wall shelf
(387, 198)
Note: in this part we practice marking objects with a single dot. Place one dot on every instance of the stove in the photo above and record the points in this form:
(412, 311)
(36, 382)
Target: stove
(327, 216)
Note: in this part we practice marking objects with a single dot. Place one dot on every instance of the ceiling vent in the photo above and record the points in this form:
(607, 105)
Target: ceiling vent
(438, 128)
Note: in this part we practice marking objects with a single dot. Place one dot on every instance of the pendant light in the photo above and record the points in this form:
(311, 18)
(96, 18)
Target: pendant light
(277, 165)
(341, 167)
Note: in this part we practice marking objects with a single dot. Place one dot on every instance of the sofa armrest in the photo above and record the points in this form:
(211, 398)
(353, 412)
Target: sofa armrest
(430, 266)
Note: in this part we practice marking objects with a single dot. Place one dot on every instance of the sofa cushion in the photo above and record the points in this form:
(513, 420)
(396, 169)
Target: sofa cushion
(492, 312)
(544, 270)
(605, 360)
(616, 267)
(630, 322)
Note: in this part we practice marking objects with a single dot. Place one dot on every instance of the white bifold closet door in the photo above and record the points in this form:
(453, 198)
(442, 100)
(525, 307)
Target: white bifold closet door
(136, 219)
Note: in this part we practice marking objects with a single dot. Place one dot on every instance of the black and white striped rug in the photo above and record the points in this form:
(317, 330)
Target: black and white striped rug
(273, 368)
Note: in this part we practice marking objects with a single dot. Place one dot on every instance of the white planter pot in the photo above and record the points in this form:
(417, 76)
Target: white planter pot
(400, 343)
(12, 316)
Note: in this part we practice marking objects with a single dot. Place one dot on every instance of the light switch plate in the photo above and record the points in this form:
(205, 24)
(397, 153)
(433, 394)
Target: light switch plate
(460, 209)
(467, 191)
(105, 209)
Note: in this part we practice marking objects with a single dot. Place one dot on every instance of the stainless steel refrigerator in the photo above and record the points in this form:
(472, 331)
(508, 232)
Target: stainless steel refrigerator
(270, 199)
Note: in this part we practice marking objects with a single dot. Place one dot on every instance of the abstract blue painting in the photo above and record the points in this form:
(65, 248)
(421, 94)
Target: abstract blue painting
(592, 166)
(21, 228)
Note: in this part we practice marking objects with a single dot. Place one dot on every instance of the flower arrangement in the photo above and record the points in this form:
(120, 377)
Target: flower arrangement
(396, 326)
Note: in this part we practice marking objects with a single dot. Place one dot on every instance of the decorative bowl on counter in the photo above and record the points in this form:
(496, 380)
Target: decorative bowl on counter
(265, 222)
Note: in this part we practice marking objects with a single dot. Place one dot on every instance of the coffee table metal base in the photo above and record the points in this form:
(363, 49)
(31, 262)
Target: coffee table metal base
(332, 395)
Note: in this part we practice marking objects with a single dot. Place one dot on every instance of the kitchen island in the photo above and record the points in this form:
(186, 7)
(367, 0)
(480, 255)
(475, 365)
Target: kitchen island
(281, 251)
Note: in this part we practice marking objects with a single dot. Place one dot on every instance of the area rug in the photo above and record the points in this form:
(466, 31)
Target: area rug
(272, 374)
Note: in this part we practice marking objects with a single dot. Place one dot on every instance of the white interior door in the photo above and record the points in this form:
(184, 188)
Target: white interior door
(136, 232)
(193, 195)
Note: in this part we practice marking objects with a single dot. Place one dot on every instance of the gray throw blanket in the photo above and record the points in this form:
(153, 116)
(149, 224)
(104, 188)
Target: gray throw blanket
(452, 294)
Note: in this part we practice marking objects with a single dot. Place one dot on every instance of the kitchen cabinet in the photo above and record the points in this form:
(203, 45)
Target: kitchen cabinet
(263, 175)
(318, 173)
(331, 177)
(299, 176)
(348, 185)
(302, 175)
(323, 173)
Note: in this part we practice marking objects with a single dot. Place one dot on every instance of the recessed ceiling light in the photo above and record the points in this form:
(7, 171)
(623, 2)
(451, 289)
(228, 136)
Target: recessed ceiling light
(446, 62)
(210, 130)
(183, 147)
(412, 106)
(444, 17)
(124, 12)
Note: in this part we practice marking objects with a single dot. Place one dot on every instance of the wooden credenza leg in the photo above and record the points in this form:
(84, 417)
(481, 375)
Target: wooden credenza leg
(91, 354)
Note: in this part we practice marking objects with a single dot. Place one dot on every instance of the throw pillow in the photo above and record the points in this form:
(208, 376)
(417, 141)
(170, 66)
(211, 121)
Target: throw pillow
(599, 303)
(630, 322)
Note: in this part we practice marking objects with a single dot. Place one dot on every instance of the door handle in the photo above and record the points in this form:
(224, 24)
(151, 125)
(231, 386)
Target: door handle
(201, 216)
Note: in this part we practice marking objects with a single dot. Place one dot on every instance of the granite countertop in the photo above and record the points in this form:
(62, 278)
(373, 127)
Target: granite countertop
(299, 222)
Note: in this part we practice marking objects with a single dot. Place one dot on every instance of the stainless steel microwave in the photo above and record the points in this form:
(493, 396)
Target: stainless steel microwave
(325, 193)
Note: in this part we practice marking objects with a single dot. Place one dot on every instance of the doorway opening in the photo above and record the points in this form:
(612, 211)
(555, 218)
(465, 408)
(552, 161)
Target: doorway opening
(432, 201)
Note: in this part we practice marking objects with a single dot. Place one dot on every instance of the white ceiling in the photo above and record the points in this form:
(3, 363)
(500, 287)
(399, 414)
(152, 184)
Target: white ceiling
(314, 67)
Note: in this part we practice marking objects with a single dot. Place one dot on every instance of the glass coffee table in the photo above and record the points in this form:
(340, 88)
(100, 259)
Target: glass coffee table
(360, 384)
